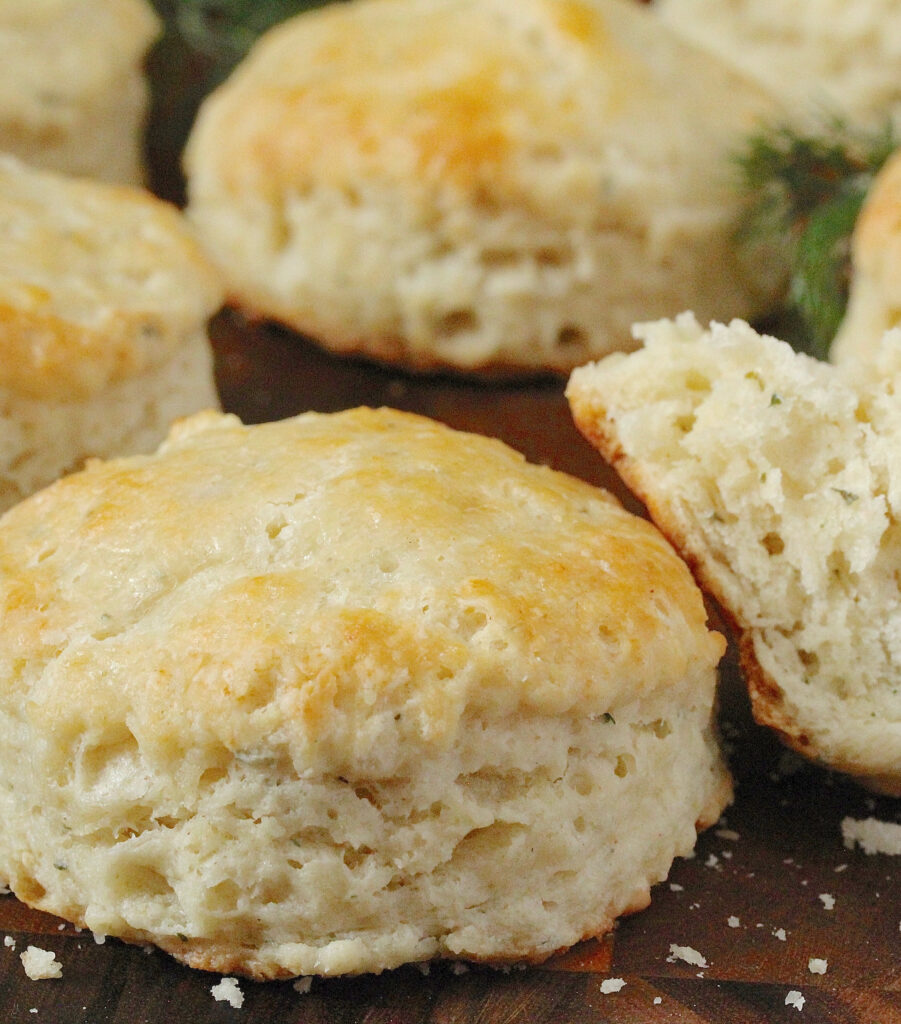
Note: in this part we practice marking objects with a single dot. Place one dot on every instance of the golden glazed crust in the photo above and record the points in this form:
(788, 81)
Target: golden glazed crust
(97, 283)
(326, 584)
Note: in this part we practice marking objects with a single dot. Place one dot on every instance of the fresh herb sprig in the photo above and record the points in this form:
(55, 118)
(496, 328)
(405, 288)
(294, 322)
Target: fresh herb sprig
(807, 190)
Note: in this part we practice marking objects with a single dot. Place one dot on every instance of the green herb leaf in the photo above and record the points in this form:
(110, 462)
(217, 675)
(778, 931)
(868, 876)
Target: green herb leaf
(806, 192)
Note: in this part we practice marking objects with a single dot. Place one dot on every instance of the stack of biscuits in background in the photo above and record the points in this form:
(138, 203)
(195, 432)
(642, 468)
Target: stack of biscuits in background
(480, 188)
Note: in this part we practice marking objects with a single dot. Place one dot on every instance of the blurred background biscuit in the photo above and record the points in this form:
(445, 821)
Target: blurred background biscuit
(104, 302)
(832, 58)
(73, 95)
(874, 298)
(496, 185)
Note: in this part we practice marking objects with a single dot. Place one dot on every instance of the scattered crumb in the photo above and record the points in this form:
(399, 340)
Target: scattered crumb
(726, 854)
(686, 953)
(41, 964)
(9, 942)
(733, 921)
(712, 861)
(816, 966)
(675, 887)
(827, 900)
(727, 833)
(795, 999)
(609, 985)
(227, 991)
(658, 1000)
(872, 835)
(780, 934)
(841, 867)
(303, 985)
(99, 939)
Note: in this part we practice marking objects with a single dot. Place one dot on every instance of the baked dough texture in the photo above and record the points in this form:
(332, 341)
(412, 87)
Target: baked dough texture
(874, 300)
(104, 302)
(73, 94)
(822, 58)
(777, 478)
(481, 185)
(340, 692)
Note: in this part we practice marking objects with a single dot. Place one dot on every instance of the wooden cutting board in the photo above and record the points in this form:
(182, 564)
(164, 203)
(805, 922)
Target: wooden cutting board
(770, 887)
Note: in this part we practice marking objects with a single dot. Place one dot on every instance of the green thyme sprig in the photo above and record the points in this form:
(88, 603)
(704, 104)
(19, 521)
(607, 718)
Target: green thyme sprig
(807, 191)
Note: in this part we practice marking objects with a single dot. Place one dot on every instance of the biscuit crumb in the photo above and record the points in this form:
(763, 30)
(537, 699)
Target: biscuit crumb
(872, 835)
(41, 964)
(827, 900)
(609, 985)
(817, 966)
(303, 985)
(686, 953)
(227, 991)
(795, 999)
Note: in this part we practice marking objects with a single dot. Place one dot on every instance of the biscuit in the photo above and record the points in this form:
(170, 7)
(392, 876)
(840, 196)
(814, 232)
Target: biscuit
(820, 57)
(776, 477)
(339, 692)
(104, 302)
(73, 95)
(874, 299)
(502, 185)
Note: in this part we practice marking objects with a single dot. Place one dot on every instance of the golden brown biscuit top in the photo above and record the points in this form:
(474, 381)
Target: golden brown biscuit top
(97, 282)
(486, 96)
(333, 587)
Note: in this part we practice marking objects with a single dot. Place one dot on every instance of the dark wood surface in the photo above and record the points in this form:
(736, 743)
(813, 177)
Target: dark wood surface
(787, 819)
